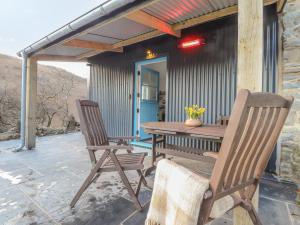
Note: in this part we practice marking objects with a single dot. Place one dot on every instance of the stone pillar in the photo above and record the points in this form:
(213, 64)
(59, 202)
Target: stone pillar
(290, 86)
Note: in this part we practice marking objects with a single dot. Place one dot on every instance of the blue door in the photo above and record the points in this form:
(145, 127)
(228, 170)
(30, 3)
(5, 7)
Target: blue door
(149, 98)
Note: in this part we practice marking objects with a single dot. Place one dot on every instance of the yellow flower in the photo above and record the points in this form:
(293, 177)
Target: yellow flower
(194, 111)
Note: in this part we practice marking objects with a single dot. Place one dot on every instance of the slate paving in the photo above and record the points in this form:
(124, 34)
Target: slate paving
(37, 186)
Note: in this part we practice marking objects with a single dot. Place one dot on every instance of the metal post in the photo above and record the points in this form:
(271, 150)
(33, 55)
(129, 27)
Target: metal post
(23, 102)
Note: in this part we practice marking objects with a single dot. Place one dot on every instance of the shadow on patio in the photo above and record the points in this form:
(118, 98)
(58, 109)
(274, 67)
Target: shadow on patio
(37, 187)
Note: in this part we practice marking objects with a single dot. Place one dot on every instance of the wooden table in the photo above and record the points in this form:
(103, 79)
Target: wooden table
(207, 132)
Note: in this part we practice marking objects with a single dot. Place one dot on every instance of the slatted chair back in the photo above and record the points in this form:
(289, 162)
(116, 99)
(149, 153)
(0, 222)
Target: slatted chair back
(91, 123)
(251, 135)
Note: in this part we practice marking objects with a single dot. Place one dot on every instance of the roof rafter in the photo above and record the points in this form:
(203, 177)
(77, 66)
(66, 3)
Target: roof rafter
(88, 54)
(77, 43)
(114, 18)
(152, 34)
(153, 22)
(182, 25)
(57, 58)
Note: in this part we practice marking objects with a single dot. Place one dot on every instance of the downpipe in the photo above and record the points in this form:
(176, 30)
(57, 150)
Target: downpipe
(23, 103)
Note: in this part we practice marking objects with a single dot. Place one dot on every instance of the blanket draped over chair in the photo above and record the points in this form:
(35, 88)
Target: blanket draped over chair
(177, 196)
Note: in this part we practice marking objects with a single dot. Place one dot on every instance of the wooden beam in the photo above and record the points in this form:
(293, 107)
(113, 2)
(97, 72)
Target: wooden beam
(280, 5)
(179, 26)
(31, 103)
(121, 15)
(88, 54)
(57, 58)
(124, 43)
(110, 20)
(250, 67)
(213, 16)
(139, 38)
(129, 11)
(186, 24)
(77, 43)
(207, 18)
(153, 22)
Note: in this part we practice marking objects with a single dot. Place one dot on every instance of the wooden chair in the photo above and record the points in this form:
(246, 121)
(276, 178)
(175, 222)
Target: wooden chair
(93, 129)
(254, 126)
(223, 120)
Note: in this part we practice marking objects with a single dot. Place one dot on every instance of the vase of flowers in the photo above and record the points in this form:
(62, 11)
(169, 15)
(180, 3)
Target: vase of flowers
(194, 113)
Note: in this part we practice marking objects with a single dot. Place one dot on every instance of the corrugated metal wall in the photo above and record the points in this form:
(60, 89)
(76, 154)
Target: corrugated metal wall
(207, 79)
(206, 76)
(270, 78)
(111, 88)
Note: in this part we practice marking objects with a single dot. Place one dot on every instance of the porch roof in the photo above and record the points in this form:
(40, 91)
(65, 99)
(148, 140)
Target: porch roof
(119, 23)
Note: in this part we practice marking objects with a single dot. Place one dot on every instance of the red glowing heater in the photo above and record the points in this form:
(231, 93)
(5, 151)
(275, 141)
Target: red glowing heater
(192, 43)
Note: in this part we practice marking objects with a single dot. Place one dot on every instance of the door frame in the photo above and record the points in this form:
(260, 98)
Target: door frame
(136, 89)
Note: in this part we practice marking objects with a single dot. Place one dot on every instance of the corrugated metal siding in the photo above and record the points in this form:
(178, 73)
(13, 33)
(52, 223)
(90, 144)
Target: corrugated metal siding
(207, 79)
(270, 65)
(111, 87)
(270, 53)
(174, 11)
(206, 76)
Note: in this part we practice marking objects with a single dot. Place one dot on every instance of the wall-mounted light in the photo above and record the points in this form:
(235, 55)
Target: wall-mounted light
(191, 43)
(150, 54)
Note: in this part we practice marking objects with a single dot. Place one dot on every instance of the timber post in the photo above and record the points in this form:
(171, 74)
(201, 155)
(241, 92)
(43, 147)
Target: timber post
(31, 94)
(250, 67)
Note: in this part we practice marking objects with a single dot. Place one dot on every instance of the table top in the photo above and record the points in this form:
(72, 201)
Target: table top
(210, 131)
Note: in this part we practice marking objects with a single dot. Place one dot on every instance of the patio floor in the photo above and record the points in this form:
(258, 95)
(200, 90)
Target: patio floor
(37, 186)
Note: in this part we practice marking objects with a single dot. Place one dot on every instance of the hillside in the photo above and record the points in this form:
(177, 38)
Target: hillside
(57, 91)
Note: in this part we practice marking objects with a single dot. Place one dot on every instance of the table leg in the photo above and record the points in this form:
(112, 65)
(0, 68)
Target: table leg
(152, 167)
(164, 145)
(153, 149)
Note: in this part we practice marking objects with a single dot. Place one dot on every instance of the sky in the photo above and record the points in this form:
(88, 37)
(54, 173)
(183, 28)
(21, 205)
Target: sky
(23, 22)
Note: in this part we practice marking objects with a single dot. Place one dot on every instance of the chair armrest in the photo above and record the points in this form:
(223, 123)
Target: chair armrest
(211, 154)
(110, 147)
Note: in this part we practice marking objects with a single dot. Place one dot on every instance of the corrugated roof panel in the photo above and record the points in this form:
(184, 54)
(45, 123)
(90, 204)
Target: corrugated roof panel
(122, 29)
(63, 50)
(217, 4)
(174, 11)
(170, 11)
(98, 38)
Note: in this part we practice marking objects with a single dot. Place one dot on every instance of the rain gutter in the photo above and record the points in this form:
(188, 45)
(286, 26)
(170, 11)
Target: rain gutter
(102, 12)
(89, 19)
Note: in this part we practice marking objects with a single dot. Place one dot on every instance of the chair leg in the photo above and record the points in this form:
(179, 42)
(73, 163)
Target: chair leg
(248, 206)
(142, 177)
(126, 182)
(138, 188)
(254, 216)
(89, 179)
(205, 211)
(84, 186)
(96, 177)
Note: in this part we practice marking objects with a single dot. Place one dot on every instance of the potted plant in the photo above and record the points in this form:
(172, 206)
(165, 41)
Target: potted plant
(194, 112)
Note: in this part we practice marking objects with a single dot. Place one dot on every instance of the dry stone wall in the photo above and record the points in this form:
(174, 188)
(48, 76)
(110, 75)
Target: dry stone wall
(290, 138)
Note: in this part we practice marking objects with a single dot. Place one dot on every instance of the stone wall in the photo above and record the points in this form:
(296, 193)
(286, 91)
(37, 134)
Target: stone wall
(290, 145)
